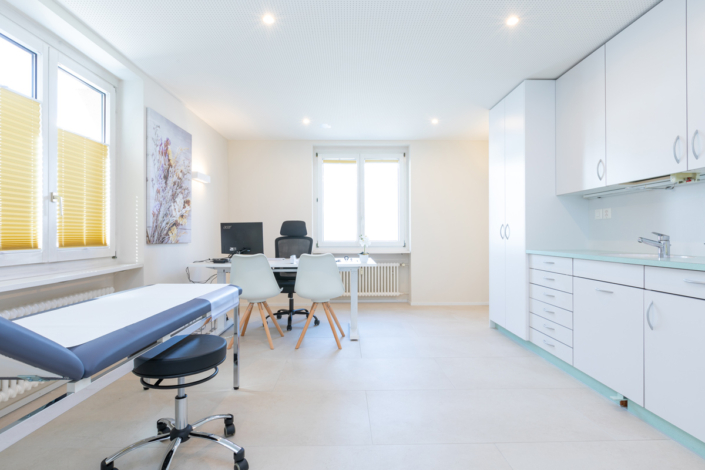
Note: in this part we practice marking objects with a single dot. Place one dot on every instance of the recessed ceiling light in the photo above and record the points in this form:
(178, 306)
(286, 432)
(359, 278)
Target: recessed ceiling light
(268, 19)
(306, 121)
(325, 126)
(512, 20)
(434, 121)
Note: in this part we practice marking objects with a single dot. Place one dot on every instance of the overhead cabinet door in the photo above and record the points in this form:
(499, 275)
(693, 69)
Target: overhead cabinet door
(580, 126)
(646, 96)
(497, 215)
(696, 84)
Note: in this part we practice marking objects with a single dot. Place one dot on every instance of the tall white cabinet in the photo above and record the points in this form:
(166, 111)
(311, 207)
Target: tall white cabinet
(696, 79)
(524, 211)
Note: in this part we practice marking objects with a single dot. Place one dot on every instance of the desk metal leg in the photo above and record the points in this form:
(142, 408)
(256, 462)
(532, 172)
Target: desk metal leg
(354, 334)
(236, 348)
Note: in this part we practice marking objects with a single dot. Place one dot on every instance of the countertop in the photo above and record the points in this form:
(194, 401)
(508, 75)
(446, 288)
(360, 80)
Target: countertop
(693, 263)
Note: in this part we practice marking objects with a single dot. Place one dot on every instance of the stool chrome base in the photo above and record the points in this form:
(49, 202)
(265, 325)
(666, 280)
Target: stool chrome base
(179, 431)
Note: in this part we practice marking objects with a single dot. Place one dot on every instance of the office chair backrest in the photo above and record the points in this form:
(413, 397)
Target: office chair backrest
(254, 276)
(292, 242)
(318, 278)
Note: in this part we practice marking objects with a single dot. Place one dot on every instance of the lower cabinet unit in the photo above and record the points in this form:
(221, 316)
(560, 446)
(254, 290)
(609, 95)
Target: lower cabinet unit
(674, 360)
(608, 335)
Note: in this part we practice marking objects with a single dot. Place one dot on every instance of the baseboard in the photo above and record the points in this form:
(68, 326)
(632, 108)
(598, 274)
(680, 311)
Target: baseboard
(448, 304)
(677, 434)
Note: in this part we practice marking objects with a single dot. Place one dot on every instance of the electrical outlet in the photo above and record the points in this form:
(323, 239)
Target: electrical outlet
(598, 214)
(606, 213)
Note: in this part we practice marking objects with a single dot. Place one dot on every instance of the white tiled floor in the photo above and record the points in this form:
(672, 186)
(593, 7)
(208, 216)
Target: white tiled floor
(429, 387)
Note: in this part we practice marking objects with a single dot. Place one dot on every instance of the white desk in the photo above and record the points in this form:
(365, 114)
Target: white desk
(284, 265)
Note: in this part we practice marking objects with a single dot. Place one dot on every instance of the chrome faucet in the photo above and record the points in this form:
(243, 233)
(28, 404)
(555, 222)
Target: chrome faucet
(663, 244)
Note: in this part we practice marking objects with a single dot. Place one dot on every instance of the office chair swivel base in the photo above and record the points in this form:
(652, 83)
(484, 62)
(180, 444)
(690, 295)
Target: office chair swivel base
(179, 431)
(291, 311)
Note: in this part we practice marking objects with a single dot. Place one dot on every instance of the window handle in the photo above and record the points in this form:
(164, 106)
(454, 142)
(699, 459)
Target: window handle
(56, 198)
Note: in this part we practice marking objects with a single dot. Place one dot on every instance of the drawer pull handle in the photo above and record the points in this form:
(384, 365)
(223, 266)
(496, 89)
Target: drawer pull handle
(549, 279)
(549, 344)
(605, 291)
(548, 262)
(548, 311)
(548, 295)
(691, 281)
(548, 327)
(648, 316)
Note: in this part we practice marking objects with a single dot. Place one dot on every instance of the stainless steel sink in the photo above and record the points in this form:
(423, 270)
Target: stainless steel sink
(646, 256)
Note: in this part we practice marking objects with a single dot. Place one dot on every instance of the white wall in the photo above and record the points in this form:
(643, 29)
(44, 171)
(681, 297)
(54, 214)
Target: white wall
(271, 181)
(678, 213)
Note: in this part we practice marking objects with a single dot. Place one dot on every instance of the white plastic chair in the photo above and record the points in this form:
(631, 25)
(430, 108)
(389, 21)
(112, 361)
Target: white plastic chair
(254, 276)
(318, 279)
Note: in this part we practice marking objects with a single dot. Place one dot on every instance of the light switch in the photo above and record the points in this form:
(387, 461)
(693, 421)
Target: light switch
(607, 213)
(598, 214)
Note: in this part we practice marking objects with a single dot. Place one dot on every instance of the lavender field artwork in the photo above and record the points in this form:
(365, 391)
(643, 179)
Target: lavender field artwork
(168, 181)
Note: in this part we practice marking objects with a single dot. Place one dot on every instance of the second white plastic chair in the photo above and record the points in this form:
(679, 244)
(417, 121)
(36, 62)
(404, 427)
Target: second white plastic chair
(254, 276)
(318, 279)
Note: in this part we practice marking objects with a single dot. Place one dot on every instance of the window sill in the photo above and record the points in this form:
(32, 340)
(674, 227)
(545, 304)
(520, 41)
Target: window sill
(392, 250)
(55, 278)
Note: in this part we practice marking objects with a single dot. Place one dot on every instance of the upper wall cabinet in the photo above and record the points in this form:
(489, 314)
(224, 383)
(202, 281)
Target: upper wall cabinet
(580, 126)
(646, 96)
(696, 79)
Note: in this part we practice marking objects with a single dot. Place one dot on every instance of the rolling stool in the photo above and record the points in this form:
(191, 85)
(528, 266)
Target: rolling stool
(179, 358)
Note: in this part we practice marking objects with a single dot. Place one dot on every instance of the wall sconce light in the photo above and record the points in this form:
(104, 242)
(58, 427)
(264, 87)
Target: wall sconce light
(202, 177)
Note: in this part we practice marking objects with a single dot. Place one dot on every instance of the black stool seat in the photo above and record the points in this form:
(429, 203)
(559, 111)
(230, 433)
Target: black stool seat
(181, 356)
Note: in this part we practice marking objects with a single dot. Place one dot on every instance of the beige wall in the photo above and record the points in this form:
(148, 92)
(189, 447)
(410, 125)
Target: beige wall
(271, 181)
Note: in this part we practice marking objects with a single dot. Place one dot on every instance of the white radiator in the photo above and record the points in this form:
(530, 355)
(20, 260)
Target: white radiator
(381, 280)
(10, 389)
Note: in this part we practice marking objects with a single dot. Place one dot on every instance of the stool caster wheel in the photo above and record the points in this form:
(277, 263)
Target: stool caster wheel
(279, 317)
(162, 428)
(242, 465)
(229, 429)
(107, 466)
(145, 388)
(316, 322)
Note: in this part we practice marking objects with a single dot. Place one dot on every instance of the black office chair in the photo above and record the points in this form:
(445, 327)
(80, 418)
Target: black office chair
(292, 242)
(179, 358)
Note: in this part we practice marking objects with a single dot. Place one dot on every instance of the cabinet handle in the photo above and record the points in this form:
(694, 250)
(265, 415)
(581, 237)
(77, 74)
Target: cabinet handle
(506, 235)
(648, 316)
(548, 295)
(691, 281)
(675, 143)
(549, 344)
(600, 176)
(500, 231)
(605, 291)
(548, 327)
(695, 154)
(548, 262)
(549, 311)
(549, 279)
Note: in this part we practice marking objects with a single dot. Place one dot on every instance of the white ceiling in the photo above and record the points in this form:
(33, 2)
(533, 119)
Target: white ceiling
(370, 69)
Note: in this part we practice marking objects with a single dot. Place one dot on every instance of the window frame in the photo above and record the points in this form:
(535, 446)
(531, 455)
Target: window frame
(361, 154)
(48, 59)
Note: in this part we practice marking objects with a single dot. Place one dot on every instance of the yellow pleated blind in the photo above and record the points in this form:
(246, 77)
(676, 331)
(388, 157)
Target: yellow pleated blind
(20, 171)
(83, 186)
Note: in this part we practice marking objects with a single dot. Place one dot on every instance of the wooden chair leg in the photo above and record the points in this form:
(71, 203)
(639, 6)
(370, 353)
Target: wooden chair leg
(246, 319)
(308, 320)
(332, 326)
(330, 308)
(274, 320)
(264, 323)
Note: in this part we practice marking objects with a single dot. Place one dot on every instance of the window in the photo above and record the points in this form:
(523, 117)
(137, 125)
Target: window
(361, 192)
(56, 200)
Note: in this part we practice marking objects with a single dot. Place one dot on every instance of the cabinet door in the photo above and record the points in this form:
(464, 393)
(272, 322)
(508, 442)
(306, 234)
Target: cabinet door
(696, 78)
(608, 335)
(517, 317)
(674, 357)
(497, 215)
(580, 126)
(646, 96)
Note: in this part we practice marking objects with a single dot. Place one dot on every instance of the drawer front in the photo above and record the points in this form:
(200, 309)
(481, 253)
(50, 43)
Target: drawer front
(616, 273)
(555, 314)
(558, 349)
(676, 281)
(554, 330)
(556, 281)
(551, 296)
(552, 263)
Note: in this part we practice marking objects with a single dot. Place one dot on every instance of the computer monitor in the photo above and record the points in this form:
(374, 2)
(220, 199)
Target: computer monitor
(241, 237)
